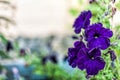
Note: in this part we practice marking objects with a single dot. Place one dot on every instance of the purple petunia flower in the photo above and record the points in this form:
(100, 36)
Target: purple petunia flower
(72, 53)
(87, 55)
(98, 36)
(90, 60)
(84, 58)
(82, 21)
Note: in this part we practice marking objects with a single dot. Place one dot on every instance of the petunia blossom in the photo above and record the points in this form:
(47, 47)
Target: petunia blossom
(98, 36)
(72, 53)
(90, 60)
(82, 21)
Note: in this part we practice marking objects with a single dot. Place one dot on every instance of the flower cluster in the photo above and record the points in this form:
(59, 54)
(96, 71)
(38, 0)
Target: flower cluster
(86, 53)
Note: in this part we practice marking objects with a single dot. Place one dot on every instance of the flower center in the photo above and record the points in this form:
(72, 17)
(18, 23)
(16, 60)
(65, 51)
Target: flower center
(92, 58)
(96, 35)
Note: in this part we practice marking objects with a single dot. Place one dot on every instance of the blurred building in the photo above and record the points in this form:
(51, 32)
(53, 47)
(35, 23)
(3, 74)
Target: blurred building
(42, 17)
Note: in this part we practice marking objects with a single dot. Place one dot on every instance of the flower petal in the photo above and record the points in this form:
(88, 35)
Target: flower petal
(106, 33)
(100, 63)
(82, 21)
(94, 43)
(89, 34)
(93, 66)
(71, 52)
(82, 58)
(72, 56)
(102, 43)
(72, 62)
(79, 44)
(94, 52)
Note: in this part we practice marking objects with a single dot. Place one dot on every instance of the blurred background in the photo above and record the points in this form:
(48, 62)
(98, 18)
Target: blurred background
(35, 36)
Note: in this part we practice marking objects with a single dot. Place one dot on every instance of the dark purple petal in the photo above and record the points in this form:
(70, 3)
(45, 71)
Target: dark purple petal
(102, 43)
(82, 21)
(71, 52)
(78, 30)
(96, 26)
(89, 34)
(106, 33)
(72, 61)
(94, 43)
(79, 44)
(81, 61)
(82, 58)
(94, 53)
(100, 63)
(86, 14)
(81, 65)
(72, 56)
(93, 66)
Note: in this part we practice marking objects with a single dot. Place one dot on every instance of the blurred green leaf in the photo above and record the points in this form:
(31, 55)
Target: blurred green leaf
(74, 12)
(3, 39)
(3, 54)
(118, 5)
(106, 23)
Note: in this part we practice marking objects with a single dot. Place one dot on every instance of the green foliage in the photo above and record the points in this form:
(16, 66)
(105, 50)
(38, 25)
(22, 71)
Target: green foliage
(118, 5)
(106, 23)
(74, 11)
(53, 71)
(3, 54)
(3, 39)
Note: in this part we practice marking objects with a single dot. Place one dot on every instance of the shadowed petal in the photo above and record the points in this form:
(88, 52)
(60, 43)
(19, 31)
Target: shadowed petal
(100, 63)
(71, 52)
(72, 61)
(94, 53)
(91, 67)
(79, 44)
(82, 58)
(72, 56)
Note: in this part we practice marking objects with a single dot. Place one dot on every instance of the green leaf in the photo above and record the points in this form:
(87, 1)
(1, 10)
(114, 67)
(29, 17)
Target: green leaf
(118, 5)
(74, 12)
(3, 54)
(3, 39)
(106, 23)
